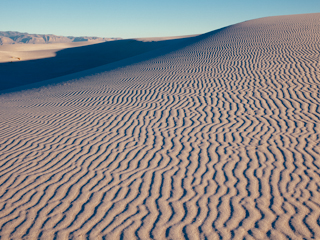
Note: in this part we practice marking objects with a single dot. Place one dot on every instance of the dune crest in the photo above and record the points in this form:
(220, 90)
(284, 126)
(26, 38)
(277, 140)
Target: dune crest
(26, 64)
(217, 139)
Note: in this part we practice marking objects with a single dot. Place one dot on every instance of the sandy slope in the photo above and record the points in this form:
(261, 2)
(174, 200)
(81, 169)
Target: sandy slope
(216, 139)
(54, 60)
(25, 52)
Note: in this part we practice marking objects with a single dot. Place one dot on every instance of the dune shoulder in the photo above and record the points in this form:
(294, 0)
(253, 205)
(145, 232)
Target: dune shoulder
(24, 64)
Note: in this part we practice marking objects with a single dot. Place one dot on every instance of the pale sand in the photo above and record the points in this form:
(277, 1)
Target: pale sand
(25, 52)
(55, 60)
(217, 137)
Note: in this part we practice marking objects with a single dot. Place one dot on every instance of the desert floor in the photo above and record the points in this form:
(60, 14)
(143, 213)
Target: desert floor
(215, 136)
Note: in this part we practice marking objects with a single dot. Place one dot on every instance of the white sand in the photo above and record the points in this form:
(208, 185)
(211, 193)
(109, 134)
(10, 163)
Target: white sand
(25, 52)
(54, 60)
(217, 137)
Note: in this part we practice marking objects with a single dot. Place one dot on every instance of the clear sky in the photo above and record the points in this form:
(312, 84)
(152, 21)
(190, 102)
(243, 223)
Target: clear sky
(139, 18)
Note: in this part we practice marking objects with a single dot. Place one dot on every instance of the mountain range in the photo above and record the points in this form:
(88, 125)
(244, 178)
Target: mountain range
(10, 37)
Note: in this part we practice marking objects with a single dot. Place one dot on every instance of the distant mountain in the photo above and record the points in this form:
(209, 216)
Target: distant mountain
(10, 37)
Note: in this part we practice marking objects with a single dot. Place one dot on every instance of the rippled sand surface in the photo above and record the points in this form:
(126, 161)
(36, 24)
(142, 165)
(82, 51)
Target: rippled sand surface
(215, 138)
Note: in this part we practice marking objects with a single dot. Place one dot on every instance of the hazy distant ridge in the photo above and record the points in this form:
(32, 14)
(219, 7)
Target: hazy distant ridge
(10, 37)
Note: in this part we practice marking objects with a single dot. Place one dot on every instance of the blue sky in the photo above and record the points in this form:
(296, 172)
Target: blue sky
(139, 18)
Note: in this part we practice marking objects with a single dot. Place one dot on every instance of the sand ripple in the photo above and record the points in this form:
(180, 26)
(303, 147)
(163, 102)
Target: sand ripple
(218, 139)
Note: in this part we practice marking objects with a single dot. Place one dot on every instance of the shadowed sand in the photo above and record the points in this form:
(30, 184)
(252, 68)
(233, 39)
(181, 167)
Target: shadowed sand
(216, 137)
(54, 60)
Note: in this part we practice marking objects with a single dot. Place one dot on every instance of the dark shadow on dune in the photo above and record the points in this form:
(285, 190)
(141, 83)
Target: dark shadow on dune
(71, 60)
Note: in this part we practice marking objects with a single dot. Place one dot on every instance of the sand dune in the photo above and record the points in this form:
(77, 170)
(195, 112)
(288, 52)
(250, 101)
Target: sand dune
(217, 137)
(55, 60)
(26, 52)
